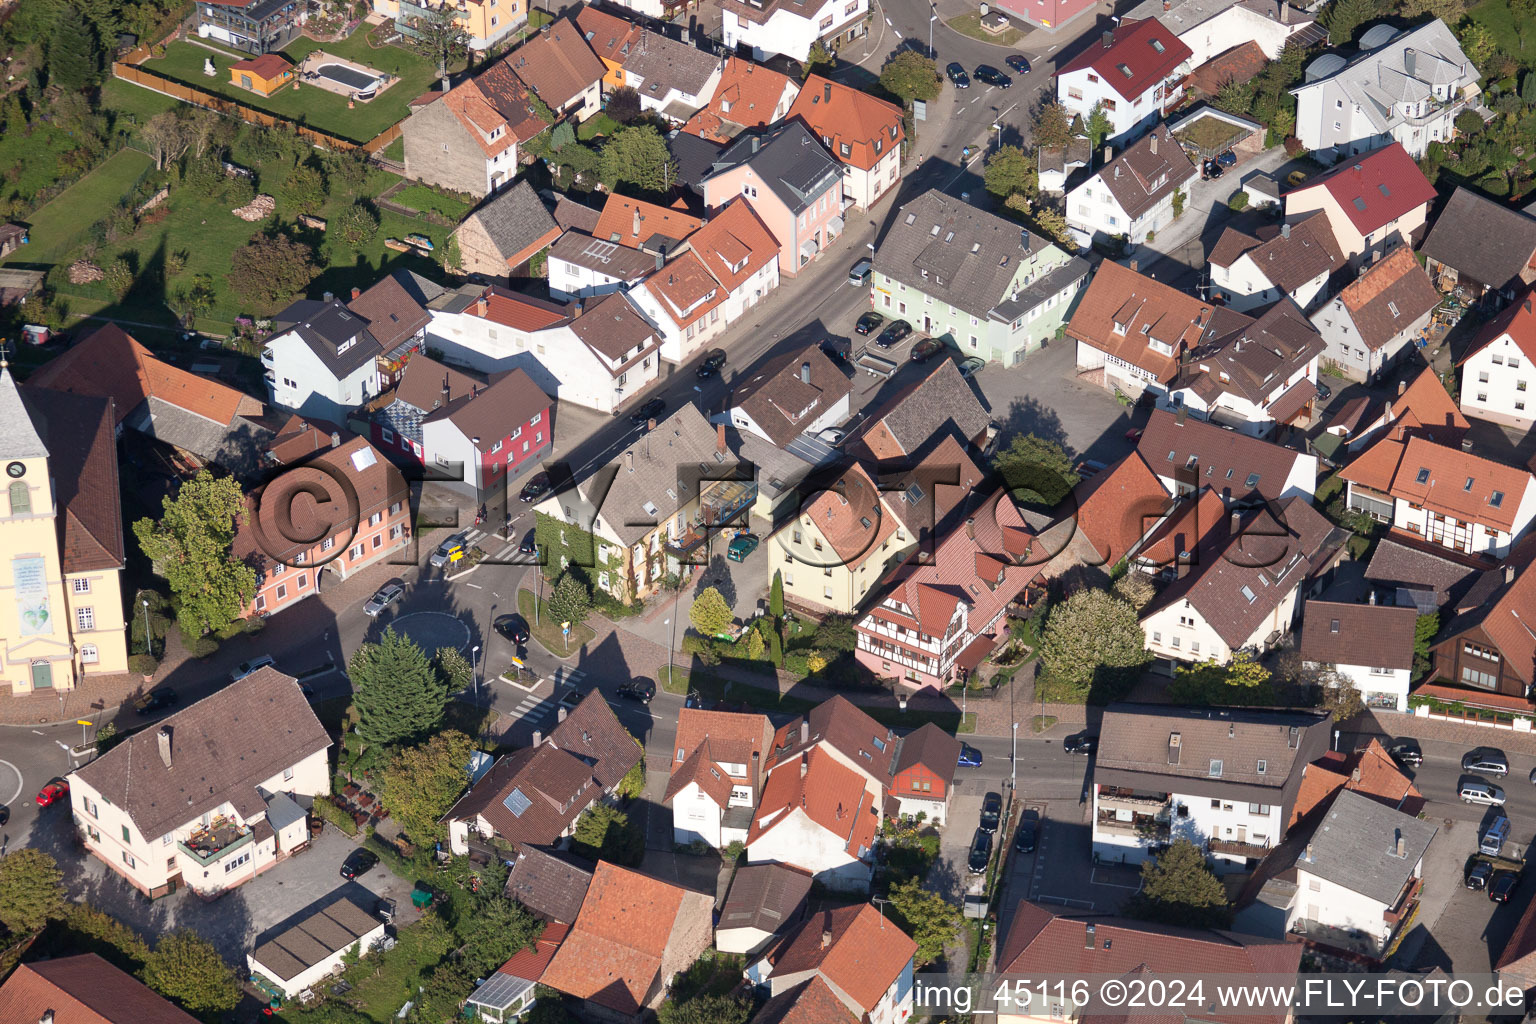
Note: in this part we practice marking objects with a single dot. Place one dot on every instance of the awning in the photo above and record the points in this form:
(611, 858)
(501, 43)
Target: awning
(836, 225)
(809, 248)
(1285, 408)
(976, 653)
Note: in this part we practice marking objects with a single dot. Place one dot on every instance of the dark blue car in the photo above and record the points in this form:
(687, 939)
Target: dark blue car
(970, 757)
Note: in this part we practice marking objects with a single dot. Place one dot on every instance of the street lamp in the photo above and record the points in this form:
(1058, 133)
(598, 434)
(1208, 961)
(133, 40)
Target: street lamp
(670, 670)
(1013, 759)
(148, 649)
(474, 671)
(931, 19)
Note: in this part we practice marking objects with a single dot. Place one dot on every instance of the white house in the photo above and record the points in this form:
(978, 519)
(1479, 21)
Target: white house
(717, 774)
(848, 963)
(1132, 195)
(765, 901)
(862, 132)
(321, 362)
(797, 393)
(1212, 27)
(1296, 260)
(1225, 779)
(1133, 73)
(1404, 86)
(1374, 320)
(1496, 369)
(1369, 646)
(207, 799)
(673, 78)
(1188, 454)
(310, 951)
(818, 816)
(781, 27)
(1373, 203)
(1361, 872)
(583, 267)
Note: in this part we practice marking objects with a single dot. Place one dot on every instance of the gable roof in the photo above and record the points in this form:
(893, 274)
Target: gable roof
(1414, 567)
(747, 96)
(845, 727)
(1388, 298)
(613, 328)
(959, 254)
(637, 224)
(222, 748)
(930, 747)
(810, 1002)
(766, 897)
(685, 289)
(299, 438)
(1139, 55)
(1500, 604)
(393, 313)
(557, 64)
(734, 244)
(1123, 312)
(1483, 240)
(518, 311)
(1374, 189)
(854, 949)
(1345, 633)
(851, 514)
(1289, 255)
(429, 385)
(707, 739)
(268, 65)
(494, 99)
(574, 216)
(1356, 845)
(663, 64)
(1370, 771)
(611, 38)
(1147, 171)
(549, 883)
(1456, 483)
(1229, 461)
(619, 262)
(82, 463)
(489, 413)
(841, 116)
(929, 496)
(517, 223)
(788, 159)
(1252, 356)
(1518, 321)
(1115, 507)
(782, 401)
(83, 989)
(918, 417)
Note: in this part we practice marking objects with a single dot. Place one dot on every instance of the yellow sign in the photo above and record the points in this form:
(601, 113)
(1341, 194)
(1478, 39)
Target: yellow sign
(565, 625)
(82, 721)
(518, 662)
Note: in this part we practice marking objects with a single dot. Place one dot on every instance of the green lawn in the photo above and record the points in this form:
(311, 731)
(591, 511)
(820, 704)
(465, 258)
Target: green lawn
(315, 107)
(424, 198)
(1498, 19)
(970, 25)
(58, 226)
(29, 160)
(547, 631)
(600, 125)
(395, 151)
(130, 102)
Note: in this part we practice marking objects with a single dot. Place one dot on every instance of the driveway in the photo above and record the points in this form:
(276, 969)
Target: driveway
(950, 875)
(1043, 396)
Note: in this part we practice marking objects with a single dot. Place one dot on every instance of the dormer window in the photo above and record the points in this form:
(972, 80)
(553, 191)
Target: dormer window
(1121, 328)
(845, 149)
(879, 144)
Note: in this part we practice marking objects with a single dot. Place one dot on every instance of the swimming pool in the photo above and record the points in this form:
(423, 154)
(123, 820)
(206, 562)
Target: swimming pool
(350, 77)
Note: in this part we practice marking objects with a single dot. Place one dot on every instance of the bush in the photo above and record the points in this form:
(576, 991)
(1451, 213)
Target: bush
(201, 646)
(143, 664)
(1294, 147)
(1468, 122)
(255, 624)
(336, 816)
(1238, 201)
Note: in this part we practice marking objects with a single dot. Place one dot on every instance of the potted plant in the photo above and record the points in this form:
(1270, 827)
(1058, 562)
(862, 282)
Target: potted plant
(144, 664)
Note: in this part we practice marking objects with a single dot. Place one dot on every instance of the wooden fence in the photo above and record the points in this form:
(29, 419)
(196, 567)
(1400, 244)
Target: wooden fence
(229, 108)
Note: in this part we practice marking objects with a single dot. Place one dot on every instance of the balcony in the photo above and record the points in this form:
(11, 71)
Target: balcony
(207, 845)
(266, 357)
(1407, 901)
(720, 501)
(1141, 826)
(1112, 798)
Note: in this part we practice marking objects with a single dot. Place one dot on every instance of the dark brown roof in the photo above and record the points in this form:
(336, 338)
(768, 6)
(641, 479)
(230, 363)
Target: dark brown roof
(82, 459)
(842, 725)
(310, 941)
(1251, 357)
(490, 412)
(222, 748)
(614, 328)
(574, 216)
(393, 315)
(1479, 238)
(1224, 459)
(917, 418)
(83, 989)
(1288, 258)
(1412, 567)
(1344, 633)
(767, 897)
(429, 385)
(1516, 957)
(788, 393)
(557, 64)
(1144, 174)
(299, 438)
(1389, 297)
(930, 496)
(810, 1002)
(931, 747)
(549, 883)
(620, 262)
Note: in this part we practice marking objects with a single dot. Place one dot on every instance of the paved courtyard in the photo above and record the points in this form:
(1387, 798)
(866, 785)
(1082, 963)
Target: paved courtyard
(1043, 396)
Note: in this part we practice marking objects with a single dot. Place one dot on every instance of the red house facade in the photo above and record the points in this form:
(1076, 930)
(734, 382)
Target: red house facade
(925, 773)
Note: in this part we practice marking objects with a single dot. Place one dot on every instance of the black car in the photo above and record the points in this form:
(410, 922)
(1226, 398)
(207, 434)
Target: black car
(957, 75)
(1485, 761)
(649, 411)
(1477, 877)
(981, 852)
(530, 544)
(358, 862)
(989, 74)
(898, 330)
(1018, 62)
(1029, 830)
(514, 627)
(1406, 752)
(1503, 886)
(837, 348)
(155, 700)
(1324, 391)
(868, 322)
(5, 815)
(711, 364)
(991, 812)
(641, 690)
(537, 486)
(927, 349)
(1080, 743)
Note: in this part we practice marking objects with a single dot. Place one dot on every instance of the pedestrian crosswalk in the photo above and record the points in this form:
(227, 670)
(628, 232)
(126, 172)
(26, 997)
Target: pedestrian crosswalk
(535, 709)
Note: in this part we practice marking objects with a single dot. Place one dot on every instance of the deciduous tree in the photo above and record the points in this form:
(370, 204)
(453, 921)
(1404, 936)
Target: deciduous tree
(190, 546)
(1340, 698)
(1036, 469)
(397, 694)
(637, 156)
(1053, 127)
(1178, 889)
(31, 890)
(269, 270)
(605, 833)
(1090, 632)
(1135, 589)
(168, 135)
(186, 969)
(911, 76)
(423, 781)
(1243, 681)
(304, 189)
(357, 225)
(709, 614)
(927, 917)
(1098, 126)
(1011, 172)
(706, 1008)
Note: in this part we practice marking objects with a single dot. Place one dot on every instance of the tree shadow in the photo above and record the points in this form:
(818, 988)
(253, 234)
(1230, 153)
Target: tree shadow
(1028, 415)
(717, 574)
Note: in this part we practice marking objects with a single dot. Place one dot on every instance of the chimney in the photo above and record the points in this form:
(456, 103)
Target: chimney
(650, 424)
(1175, 747)
(1180, 416)
(1152, 142)
(1167, 5)
(1354, 776)
(1409, 59)
(356, 293)
(826, 938)
(756, 142)
(46, 1018)
(1088, 933)
(805, 731)
(1134, 265)
(1285, 13)
(329, 296)
(826, 91)
(805, 763)
(635, 225)
(1309, 853)
(1509, 574)
(481, 306)
(537, 736)
(163, 739)
(335, 439)
(661, 260)
(1237, 522)
(629, 461)
(720, 437)
(560, 714)
(1400, 848)
(1285, 231)
(1373, 598)
(1109, 39)
(805, 372)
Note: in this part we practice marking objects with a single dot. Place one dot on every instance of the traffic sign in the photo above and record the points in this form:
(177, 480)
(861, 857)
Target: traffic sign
(82, 721)
(518, 662)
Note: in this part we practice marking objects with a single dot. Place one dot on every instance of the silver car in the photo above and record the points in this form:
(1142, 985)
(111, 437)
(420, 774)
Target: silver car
(387, 595)
(1477, 792)
(445, 550)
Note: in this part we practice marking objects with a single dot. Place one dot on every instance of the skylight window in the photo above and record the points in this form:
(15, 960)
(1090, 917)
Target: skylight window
(1170, 456)
(1216, 767)
(935, 232)
(911, 217)
(914, 494)
(1468, 485)
(517, 803)
(1249, 595)
(1124, 70)
(1392, 308)
(1360, 203)
(1423, 475)
(1384, 190)
(1496, 499)
(1157, 44)
(1253, 479)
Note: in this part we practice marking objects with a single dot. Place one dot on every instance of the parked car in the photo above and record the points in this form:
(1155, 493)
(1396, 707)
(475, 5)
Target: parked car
(991, 812)
(1494, 836)
(981, 852)
(742, 545)
(1408, 753)
(1324, 391)
(1018, 62)
(530, 544)
(970, 366)
(711, 364)
(1029, 830)
(839, 348)
(1080, 743)
(927, 349)
(444, 553)
(1227, 159)
(897, 330)
(387, 595)
(957, 75)
(514, 627)
(1133, 435)
(641, 690)
(992, 76)
(1503, 886)
(52, 793)
(647, 412)
(1477, 877)
(5, 816)
(868, 322)
(832, 436)
(245, 668)
(1475, 791)
(358, 862)
(860, 273)
(1485, 761)
(970, 757)
(155, 700)
(536, 487)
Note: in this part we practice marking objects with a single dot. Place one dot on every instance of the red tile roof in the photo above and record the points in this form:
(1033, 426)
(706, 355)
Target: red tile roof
(530, 962)
(864, 957)
(1389, 297)
(734, 244)
(1379, 778)
(632, 222)
(830, 794)
(1115, 507)
(1119, 297)
(1518, 321)
(494, 99)
(1141, 55)
(609, 37)
(810, 1002)
(851, 515)
(708, 740)
(557, 64)
(268, 65)
(685, 289)
(839, 115)
(748, 95)
(1426, 409)
(82, 989)
(523, 312)
(1456, 483)
(1375, 189)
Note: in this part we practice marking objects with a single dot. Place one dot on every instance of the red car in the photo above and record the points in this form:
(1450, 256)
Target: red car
(1133, 435)
(52, 793)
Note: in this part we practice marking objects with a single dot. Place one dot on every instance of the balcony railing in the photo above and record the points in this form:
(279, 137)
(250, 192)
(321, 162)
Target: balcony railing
(212, 844)
(1406, 901)
(266, 357)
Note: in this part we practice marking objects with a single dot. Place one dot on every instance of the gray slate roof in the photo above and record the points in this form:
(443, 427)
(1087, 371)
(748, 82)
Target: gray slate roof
(664, 64)
(1356, 847)
(1040, 289)
(21, 437)
(313, 939)
(611, 258)
(1412, 568)
(789, 158)
(325, 326)
(695, 157)
(1482, 239)
(515, 218)
(922, 414)
(768, 897)
(958, 254)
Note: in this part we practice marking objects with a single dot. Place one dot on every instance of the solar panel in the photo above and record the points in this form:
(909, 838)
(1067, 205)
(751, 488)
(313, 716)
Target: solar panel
(517, 803)
(601, 251)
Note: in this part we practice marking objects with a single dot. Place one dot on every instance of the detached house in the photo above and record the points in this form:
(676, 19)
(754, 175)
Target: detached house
(673, 78)
(1403, 88)
(1132, 72)
(1222, 778)
(717, 775)
(790, 27)
(797, 393)
(1134, 331)
(560, 68)
(862, 132)
(1375, 320)
(791, 182)
(1482, 247)
(1188, 454)
(1294, 260)
(1132, 195)
(1370, 646)
(467, 138)
(816, 814)
(747, 96)
(1213, 27)
(839, 545)
(1373, 202)
(765, 901)
(206, 799)
(852, 954)
(994, 288)
(484, 22)
(921, 418)
(322, 362)
(924, 775)
(1496, 368)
